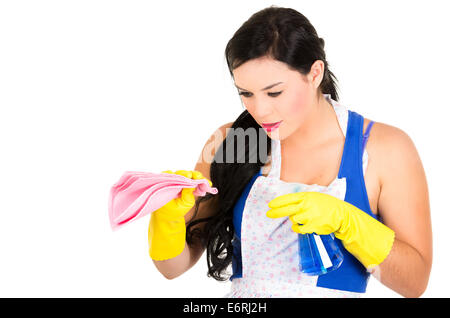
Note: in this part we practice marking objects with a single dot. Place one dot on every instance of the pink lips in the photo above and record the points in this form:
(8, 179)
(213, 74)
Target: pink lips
(272, 126)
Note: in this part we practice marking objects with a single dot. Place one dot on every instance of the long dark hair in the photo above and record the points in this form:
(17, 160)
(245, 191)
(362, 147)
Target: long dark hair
(284, 35)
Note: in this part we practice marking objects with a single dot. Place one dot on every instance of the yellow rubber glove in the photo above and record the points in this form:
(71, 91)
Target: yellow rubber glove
(369, 240)
(167, 228)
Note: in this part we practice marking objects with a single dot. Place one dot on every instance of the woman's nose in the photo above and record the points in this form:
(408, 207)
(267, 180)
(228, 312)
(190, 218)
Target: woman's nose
(263, 109)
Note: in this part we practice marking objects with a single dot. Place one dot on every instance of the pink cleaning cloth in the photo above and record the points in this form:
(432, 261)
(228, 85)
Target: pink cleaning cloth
(137, 194)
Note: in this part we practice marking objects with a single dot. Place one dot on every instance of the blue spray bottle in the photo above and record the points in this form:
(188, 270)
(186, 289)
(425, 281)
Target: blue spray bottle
(318, 254)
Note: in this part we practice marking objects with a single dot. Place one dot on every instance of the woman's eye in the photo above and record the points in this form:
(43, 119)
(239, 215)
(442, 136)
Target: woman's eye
(274, 94)
(247, 94)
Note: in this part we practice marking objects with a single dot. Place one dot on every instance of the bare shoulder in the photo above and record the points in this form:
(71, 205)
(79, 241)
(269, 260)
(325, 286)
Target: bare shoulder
(227, 125)
(391, 147)
(404, 189)
(223, 131)
(211, 146)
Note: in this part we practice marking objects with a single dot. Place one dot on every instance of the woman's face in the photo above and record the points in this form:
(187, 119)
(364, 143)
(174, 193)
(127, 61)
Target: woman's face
(271, 92)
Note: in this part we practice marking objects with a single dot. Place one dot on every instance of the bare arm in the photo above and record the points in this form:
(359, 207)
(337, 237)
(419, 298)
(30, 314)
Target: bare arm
(176, 266)
(404, 207)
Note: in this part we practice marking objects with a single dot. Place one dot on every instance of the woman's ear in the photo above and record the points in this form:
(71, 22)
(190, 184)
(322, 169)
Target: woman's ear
(317, 73)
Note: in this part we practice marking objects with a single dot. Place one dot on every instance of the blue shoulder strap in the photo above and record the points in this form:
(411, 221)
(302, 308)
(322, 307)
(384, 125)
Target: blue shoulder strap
(351, 275)
(237, 222)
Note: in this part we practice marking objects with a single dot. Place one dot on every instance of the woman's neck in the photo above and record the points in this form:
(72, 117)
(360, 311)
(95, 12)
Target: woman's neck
(320, 126)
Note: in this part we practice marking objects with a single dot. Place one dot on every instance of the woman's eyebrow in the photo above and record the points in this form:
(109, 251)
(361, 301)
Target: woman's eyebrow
(268, 87)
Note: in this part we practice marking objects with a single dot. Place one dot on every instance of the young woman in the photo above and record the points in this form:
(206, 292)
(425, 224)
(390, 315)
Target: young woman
(324, 175)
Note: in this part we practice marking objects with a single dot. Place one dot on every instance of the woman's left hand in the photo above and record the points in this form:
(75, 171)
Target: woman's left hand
(310, 212)
(369, 240)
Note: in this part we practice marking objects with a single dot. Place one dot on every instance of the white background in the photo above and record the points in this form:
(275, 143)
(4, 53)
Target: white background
(90, 89)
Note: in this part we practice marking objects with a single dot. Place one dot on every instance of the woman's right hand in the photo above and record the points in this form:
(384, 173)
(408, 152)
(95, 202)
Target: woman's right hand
(167, 228)
(178, 207)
